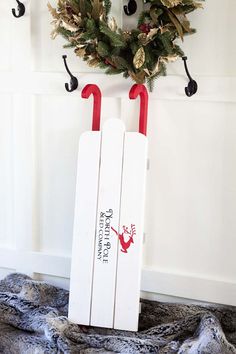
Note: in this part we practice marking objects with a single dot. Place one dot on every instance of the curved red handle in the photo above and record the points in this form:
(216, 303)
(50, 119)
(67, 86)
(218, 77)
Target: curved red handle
(94, 90)
(140, 90)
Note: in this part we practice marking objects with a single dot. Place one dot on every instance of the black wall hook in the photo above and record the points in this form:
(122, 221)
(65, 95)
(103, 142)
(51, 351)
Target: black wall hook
(192, 87)
(20, 8)
(73, 80)
(131, 8)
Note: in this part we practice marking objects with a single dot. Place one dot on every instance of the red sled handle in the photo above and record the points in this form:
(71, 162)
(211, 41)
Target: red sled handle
(140, 90)
(94, 90)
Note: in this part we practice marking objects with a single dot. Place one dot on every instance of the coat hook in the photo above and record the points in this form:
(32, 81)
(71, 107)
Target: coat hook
(192, 87)
(140, 90)
(131, 8)
(94, 90)
(20, 8)
(73, 80)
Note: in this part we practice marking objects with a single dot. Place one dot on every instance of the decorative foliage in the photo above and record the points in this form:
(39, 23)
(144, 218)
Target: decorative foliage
(141, 53)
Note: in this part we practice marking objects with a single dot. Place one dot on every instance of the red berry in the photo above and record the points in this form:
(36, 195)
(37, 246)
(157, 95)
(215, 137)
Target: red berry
(145, 28)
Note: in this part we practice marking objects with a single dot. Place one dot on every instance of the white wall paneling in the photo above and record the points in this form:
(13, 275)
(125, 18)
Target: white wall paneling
(191, 194)
(191, 215)
(6, 168)
(24, 188)
(5, 37)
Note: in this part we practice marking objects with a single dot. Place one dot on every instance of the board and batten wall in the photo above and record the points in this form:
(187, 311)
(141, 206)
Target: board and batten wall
(190, 224)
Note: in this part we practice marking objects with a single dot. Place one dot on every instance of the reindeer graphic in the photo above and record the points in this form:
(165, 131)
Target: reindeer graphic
(126, 232)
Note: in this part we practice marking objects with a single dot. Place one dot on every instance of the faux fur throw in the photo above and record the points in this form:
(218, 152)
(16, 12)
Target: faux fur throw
(33, 320)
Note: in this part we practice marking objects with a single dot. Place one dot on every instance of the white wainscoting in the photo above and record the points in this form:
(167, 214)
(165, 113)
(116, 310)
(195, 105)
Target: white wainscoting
(191, 189)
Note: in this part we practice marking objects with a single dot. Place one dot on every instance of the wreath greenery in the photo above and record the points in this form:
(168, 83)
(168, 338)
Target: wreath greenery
(141, 53)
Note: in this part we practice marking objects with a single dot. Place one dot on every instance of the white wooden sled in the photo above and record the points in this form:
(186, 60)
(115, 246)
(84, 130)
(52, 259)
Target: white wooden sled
(108, 223)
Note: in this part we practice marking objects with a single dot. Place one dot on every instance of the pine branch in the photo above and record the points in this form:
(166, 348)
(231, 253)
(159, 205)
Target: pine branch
(103, 49)
(142, 17)
(107, 7)
(69, 45)
(64, 33)
(121, 63)
(115, 38)
(113, 71)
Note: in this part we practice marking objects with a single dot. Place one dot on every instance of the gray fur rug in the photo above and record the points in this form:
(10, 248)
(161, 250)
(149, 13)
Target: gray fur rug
(33, 320)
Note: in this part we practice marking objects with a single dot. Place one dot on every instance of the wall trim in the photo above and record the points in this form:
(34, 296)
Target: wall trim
(153, 281)
(188, 286)
(211, 88)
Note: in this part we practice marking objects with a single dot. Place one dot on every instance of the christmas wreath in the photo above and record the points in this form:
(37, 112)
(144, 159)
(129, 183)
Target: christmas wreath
(141, 53)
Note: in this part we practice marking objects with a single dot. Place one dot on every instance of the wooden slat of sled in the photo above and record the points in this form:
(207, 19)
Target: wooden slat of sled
(108, 214)
(131, 232)
(84, 228)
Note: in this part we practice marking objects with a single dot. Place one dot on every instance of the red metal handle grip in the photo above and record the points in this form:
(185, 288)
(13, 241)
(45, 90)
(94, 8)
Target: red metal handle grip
(94, 90)
(140, 90)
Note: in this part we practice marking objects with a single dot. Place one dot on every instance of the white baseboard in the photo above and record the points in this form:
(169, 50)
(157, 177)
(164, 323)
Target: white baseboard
(188, 286)
(154, 281)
